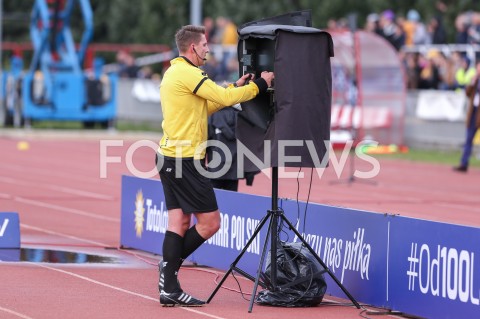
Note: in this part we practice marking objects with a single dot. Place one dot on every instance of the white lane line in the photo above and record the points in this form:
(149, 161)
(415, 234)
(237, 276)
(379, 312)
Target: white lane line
(20, 315)
(63, 189)
(73, 191)
(122, 290)
(65, 209)
(50, 232)
(5, 196)
(39, 171)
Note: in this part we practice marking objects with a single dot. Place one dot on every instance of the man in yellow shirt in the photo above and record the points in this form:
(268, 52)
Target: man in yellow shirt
(188, 96)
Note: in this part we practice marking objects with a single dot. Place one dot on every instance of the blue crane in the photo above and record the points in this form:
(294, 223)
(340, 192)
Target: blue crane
(56, 86)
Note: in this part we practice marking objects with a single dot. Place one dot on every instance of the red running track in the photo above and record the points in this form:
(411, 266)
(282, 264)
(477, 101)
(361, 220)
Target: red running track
(64, 204)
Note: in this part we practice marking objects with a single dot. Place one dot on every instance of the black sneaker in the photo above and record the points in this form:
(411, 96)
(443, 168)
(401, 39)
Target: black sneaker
(180, 299)
(461, 168)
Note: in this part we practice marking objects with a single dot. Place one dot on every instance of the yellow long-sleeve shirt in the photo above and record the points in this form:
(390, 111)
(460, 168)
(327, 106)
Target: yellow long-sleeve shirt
(188, 96)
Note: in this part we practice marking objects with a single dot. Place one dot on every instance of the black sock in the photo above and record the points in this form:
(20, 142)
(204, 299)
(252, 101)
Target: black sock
(172, 251)
(191, 242)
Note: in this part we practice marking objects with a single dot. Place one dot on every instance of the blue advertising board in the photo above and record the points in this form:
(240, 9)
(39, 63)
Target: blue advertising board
(144, 216)
(9, 230)
(433, 269)
(351, 243)
(419, 267)
(10, 254)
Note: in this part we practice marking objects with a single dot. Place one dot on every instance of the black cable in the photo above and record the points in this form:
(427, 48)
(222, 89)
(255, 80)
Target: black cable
(382, 312)
(240, 287)
(281, 229)
(298, 253)
(298, 192)
(308, 199)
(364, 311)
(282, 226)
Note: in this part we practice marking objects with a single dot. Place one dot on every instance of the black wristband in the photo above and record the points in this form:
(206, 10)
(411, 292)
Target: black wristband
(262, 85)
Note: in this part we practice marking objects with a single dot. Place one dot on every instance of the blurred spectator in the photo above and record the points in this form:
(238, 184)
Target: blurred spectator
(464, 74)
(228, 37)
(332, 24)
(342, 24)
(126, 64)
(435, 27)
(461, 26)
(145, 72)
(373, 24)
(232, 69)
(420, 34)
(473, 120)
(226, 31)
(210, 29)
(157, 78)
(408, 27)
(430, 76)
(473, 30)
(390, 30)
(339, 82)
(437, 31)
(212, 67)
(412, 69)
(447, 70)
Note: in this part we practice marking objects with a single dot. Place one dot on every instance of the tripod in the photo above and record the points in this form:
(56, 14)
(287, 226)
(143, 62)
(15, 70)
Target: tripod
(274, 215)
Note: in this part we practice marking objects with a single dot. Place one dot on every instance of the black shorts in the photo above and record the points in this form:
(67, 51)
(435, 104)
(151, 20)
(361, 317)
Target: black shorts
(192, 192)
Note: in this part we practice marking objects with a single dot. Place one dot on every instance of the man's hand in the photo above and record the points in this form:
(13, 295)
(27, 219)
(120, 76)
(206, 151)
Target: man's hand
(244, 79)
(268, 77)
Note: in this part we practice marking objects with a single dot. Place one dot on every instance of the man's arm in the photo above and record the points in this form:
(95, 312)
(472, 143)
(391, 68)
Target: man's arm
(230, 95)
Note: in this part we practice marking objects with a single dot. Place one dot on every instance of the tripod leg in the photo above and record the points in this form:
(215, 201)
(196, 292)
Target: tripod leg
(262, 260)
(232, 266)
(345, 291)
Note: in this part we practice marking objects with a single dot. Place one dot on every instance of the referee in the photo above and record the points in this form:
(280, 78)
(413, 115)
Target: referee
(188, 96)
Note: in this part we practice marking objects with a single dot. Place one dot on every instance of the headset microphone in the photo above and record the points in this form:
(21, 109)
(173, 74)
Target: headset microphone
(198, 55)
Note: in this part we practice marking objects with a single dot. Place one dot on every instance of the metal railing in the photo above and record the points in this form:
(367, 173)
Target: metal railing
(447, 49)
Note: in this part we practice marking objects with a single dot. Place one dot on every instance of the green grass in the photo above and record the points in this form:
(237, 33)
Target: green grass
(451, 158)
(60, 125)
(128, 126)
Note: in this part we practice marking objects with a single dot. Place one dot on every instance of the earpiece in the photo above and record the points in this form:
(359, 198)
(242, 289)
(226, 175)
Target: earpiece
(198, 55)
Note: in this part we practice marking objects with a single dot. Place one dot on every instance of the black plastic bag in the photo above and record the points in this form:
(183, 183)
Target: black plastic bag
(300, 279)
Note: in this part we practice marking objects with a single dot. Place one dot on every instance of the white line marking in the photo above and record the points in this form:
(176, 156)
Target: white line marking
(5, 196)
(122, 290)
(73, 191)
(63, 189)
(65, 209)
(49, 173)
(15, 313)
(63, 235)
(4, 226)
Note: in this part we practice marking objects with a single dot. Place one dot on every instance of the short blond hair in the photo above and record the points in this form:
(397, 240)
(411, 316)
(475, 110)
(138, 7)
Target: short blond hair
(188, 34)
